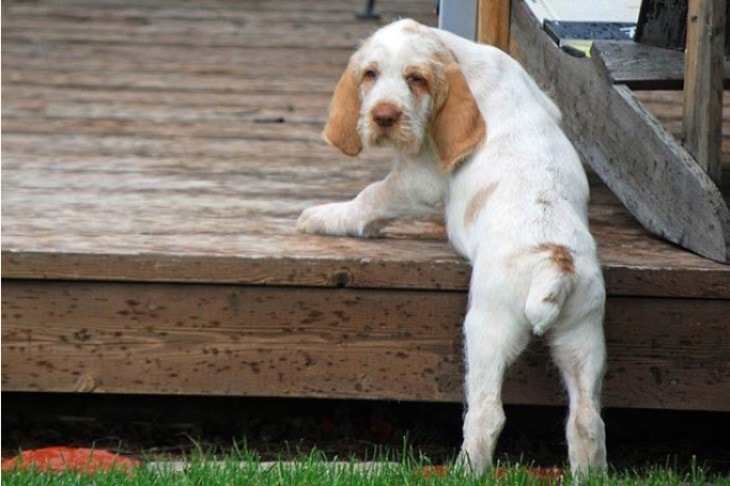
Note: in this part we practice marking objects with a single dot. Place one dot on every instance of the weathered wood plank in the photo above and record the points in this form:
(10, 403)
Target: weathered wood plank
(641, 66)
(69, 96)
(493, 23)
(245, 129)
(71, 37)
(76, 144)
(191, 20)
(163, 120)
(223, 340)
(129, 158)
(702, 119)
(155, 189)
(239, 55)
(223, 129)
(318, 70)
(175, 25)
(231, 340)
(150, 180)
(212, 9)
(270, 109)
(198, 166)
(667, 106)
(662, 23)
(267, 260)
(656, 179)
(209, 83)
(242, 212)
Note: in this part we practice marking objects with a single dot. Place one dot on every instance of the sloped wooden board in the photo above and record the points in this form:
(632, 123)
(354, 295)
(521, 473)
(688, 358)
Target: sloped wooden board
(642, 163)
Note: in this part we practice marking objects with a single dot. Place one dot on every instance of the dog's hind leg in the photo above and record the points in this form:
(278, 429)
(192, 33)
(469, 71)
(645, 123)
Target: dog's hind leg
(580, 353)
(493, 339)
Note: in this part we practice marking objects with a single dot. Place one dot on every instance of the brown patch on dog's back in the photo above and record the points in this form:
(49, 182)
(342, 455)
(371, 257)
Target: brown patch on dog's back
(560, 256)
(477, 202)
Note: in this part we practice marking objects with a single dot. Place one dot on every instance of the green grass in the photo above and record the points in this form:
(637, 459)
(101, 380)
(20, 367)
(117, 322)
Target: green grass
(313, 469)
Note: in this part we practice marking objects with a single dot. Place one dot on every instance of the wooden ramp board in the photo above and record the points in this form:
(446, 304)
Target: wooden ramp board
(642, 66)
(155, 158)
(657, 179)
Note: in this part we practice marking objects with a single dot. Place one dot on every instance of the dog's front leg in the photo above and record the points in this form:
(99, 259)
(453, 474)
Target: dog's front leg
(410, 189)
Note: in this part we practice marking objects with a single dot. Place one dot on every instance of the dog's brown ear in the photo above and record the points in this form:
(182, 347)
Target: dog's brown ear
(341, 128)
(458, 126)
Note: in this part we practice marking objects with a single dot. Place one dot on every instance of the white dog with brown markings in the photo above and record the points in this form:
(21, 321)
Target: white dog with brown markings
(473, 131)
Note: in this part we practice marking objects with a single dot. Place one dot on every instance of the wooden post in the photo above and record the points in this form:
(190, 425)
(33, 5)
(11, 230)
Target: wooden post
(493, 23)
(703, 73)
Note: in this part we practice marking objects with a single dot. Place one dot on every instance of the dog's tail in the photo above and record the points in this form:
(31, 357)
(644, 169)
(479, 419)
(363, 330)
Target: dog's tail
(553, 279)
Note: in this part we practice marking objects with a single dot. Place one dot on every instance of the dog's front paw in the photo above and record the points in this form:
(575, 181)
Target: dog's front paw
(332, 219)
(327, 219)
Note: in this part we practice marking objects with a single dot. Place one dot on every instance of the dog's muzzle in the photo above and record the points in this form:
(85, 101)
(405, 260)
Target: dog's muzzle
(385, 115)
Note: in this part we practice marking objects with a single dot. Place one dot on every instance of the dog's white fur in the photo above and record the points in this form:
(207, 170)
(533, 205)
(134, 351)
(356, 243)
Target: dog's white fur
(516, 207)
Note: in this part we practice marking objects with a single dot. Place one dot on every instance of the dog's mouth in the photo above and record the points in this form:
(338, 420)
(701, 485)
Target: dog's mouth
(387, 133)
(400, 135)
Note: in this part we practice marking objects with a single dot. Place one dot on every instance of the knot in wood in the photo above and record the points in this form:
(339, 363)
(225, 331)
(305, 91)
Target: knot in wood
(341, 278)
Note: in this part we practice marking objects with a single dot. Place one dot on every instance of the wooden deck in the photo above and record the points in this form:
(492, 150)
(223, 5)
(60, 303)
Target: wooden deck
(155, 157)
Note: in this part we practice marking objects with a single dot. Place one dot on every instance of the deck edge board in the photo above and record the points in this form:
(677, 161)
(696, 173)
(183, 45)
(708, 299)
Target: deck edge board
(331, 272)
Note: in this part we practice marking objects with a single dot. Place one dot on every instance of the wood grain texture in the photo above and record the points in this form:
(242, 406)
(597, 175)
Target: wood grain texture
(704, 60)
(667, 106)
(406, 345)
(155, 158)
(493, 23)
(656, 179)
(133, 161)
(644, 67)
(662, 23)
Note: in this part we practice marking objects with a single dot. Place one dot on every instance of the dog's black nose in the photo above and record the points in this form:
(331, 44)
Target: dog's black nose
(386, 115)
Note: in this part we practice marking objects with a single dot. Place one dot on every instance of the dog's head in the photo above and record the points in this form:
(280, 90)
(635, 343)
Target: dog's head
(403, 87)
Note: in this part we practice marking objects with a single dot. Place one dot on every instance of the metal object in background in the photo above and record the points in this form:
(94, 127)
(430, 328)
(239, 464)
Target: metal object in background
(368, 11)
(459, 17)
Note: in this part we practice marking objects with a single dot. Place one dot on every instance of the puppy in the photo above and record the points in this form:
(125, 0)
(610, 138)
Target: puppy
(473, 131)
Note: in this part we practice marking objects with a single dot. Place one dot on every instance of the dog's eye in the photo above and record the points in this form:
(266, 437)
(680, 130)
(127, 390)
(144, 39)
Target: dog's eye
(370, 74)
(415, 79)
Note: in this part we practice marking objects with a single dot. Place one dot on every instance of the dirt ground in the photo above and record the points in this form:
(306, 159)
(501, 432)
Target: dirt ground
(164, 425)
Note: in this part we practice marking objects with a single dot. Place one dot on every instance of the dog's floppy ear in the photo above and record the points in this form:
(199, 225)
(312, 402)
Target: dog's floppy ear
(458, 126)
(341, 128)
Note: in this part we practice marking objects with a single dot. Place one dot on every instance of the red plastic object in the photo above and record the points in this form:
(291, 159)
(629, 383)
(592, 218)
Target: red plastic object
(545, 475)
(437, 471)
(69, 458)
